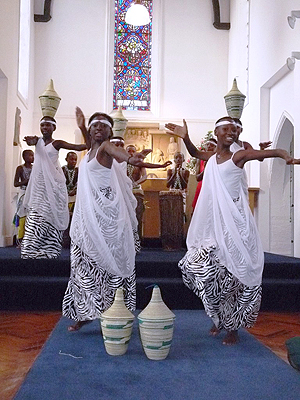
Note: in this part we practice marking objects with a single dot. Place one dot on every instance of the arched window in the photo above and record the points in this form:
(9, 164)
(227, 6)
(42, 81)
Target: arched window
(132, 60)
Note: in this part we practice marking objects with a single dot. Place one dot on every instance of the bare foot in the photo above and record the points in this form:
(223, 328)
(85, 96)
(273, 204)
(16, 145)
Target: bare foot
(231, 338)
(214, 331)
(78, 325)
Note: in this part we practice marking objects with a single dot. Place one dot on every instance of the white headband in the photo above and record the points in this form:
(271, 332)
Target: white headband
(116, 140)
(239, 125)
(48, 122)
(102, 121)
(224, 123)
(211, 142)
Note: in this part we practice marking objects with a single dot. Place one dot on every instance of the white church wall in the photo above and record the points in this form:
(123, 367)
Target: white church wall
(11, 155)
(75, 49)
(271, 42)
(71, 50)
(297, 167)
(194, 71)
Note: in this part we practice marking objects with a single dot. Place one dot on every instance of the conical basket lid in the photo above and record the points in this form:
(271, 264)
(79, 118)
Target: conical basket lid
(50, 91)
(118, 309)
(156, 309)
(234, 91)
(118, 114)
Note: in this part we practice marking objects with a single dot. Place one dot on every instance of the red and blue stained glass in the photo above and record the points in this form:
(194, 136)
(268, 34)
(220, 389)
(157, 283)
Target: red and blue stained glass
(132, 64)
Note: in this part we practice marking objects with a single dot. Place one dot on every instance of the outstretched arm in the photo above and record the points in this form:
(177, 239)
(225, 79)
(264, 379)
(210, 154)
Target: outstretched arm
(262, 146)
(61, 144)
(120, 154)
(241, 157)
(138, 160)
(151, 165)
(182, 132)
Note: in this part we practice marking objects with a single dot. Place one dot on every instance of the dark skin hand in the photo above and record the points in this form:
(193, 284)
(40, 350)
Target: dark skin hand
(182, 132)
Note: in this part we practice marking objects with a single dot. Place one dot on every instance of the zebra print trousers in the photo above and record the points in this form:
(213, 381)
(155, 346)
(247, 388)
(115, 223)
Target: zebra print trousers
(229, 303)
(91, 289)
(41, 239)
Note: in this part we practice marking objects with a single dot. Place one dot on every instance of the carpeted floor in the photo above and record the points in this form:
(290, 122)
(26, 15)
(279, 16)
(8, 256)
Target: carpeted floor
(198, 367)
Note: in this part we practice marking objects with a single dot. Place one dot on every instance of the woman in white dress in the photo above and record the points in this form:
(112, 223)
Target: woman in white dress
(46, 197)
(104, 234)
(225, 259)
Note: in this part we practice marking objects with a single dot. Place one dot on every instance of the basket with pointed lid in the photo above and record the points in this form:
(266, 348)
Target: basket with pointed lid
(156, 326)
(49, 101)
(234, 101)
(120, 122)
(156, 309)
(118, 309)
(116, 325)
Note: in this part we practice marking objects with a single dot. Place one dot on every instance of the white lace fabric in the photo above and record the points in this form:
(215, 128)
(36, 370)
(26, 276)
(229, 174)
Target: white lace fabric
(46, 192)
(104, 216)
(222, 218)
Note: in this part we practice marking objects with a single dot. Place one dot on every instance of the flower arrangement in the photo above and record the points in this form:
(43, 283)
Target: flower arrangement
(191, 162)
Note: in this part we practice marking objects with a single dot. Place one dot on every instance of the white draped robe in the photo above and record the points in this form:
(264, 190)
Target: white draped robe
(104, 217)
(46, 192)
(222, 218)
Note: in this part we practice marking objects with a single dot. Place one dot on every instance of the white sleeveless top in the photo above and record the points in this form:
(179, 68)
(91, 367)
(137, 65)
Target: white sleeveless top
(231, 177)
(99, 172)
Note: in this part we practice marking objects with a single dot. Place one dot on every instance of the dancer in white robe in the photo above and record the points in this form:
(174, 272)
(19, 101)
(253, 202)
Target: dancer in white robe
(46, 197)
(225, 259)
(103, 232)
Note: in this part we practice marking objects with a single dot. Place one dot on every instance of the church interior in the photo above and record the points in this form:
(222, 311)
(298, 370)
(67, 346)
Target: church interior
(198, 49)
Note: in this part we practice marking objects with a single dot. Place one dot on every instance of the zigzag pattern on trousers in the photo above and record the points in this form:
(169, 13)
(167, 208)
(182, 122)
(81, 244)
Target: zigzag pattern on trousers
(229, 303)
(91, 289)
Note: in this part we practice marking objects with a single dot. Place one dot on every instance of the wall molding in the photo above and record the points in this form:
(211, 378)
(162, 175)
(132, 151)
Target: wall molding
(217, 17)
(46, 16)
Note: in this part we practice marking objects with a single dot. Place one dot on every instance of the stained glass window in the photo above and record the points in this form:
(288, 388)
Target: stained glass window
(132, 60)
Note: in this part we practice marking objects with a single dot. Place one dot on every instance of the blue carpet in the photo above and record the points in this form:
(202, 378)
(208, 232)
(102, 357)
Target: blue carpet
(198, 367)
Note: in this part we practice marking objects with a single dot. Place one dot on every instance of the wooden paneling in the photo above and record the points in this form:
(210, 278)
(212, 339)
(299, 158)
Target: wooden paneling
(151, 217)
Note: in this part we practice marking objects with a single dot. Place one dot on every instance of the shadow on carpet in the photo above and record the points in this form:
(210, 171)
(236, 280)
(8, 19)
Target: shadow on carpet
(198, 367)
